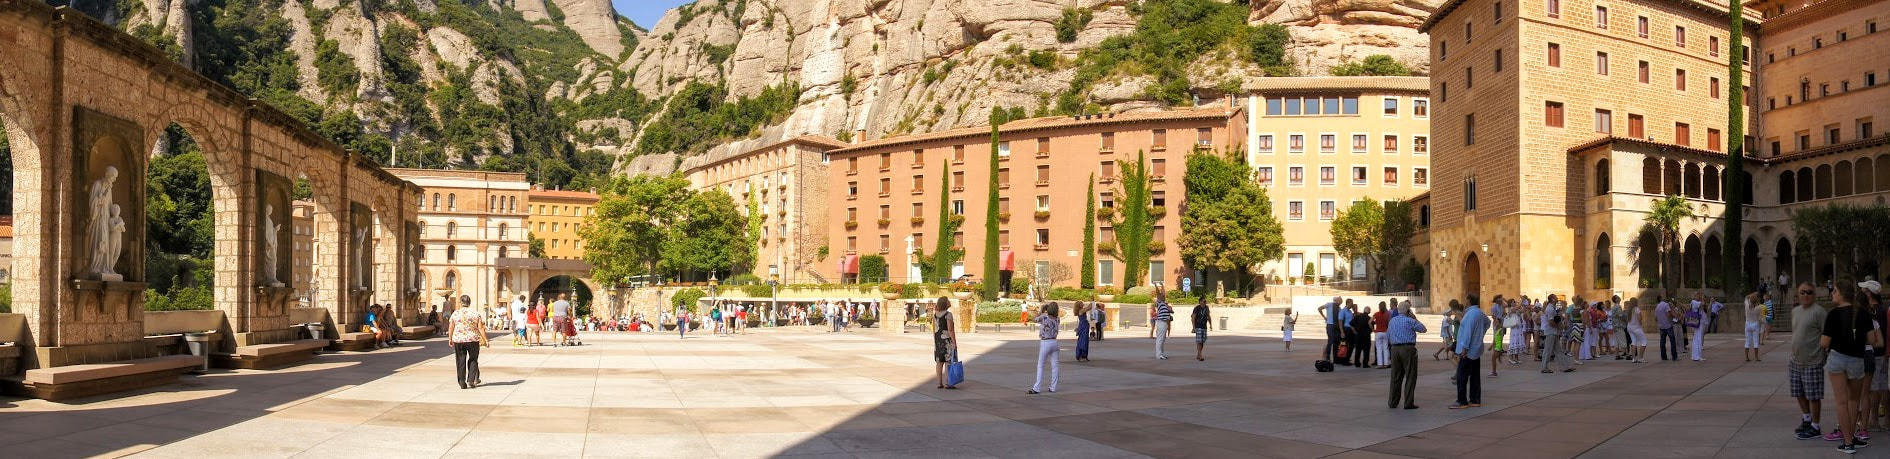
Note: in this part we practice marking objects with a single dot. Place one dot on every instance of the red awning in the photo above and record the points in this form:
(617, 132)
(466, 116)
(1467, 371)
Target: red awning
(1007, 261)
(850, 264)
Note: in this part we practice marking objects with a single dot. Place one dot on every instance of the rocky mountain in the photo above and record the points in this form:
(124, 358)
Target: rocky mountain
(565, 89)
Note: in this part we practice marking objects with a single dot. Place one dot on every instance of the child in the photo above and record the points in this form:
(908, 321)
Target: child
(1286, 329)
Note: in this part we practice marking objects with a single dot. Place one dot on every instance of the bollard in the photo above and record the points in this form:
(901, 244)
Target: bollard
(1223, 323)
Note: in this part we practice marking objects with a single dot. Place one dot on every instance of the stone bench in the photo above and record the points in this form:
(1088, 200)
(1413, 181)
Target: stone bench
(417, 332)
(354, 341)
(76, 381)
(261, 356)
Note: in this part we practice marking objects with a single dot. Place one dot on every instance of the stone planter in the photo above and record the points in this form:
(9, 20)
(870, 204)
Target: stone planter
(889, 296)
(961, 296)
(780, 322)
(868, 322)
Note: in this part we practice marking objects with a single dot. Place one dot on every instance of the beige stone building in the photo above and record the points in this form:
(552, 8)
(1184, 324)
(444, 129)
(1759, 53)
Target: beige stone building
(788, 182)
(556, 216)
(1559, 123)
(302, 263)
(886, 192)
(1320, 143)
(468, 221)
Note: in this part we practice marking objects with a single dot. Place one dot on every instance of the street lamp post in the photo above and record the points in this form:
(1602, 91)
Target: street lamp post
(774, 292)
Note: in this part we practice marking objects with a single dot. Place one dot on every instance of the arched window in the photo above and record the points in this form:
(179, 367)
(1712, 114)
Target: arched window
(492, 203)
(1647, 259)
(1712, 181)
(1865, 169)
(1842, 179)
(1883, 172)
(511, 204)
(1604, 263)
(1710, 260)
(504, 252)
(1603, 178)
(436, 201)
(452, 201)
(452, 229)
(452, 253)
(1692, 180)
(1650, 176)
(1805, 185)
(1672, 177)
(503, 229)
(423, 228)
(452, 280)
(1823, 181)
(1690, 262)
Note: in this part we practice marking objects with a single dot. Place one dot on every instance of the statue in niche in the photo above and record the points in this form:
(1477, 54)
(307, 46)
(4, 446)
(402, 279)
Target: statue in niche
(413, 266)
(100, 237)
(360, 256)
(270, 230)
(114, 246)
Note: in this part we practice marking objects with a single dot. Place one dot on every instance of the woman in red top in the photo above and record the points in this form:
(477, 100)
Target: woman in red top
(532, 324)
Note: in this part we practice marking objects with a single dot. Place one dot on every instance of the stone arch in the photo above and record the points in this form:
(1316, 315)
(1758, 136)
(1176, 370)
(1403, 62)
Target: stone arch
(1841, 179)
(1823, 181)
(1883, 172)
(1750, 260)
(1806, 185)
(1691, 180)
(228, 197)
(1782, 258)
(1710, 260)
(1650, 175)
(1472, 275)
(1647, 259)
(450, 281)
(1787, 187)
(1865, 169)
(1672, 178)
(1712, 180)
(1604, 263)
(1690, 262)
(1604, 177)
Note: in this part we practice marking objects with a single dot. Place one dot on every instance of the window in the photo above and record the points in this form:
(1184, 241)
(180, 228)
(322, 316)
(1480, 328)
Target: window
(452, 201)
(1358, 175)
(1554, 8)
(1263, 175)
(1043, 237)
(1712, 46)
(1296, 175)
(1158, 168)
(885, 161)
(1328, 210)
(853, 165)
(1601, 63)
(918, 210)
(1499, 61)
(1391, 144)
(1555, 55)
(1470, 129)
(1108, 141)
(1043, 174)
(1297, 106)
(1359, 143)
(885, 187)
(1106, 272)
(1043, 202)
(1004, 149)
(1004, 239)
(1108, 170)
(918, 184)
(958, 181)
(1296, 143)
(1469, 79)
(1604, 121)
(1391, 175)
(1640, 26)
(958, 154)
(1328, 143)
(1679, 79)
(1601, 17)
(1421, 108)
(1391, 106)
(1265, 144)
(885, 243)
(1864, 130)
(1328, 175)
(1160, 142)
(1443, 91)
(504, 229)
(1470, 193)
(1712, 139)
(452, 254)
(1158, 199)
(1466, 31)
(1004, 178)
(1552, 114)
(1680, 36)
(1831, 135)
(1420, 144)
(452, 229)
(1804, 141)
(1636, 127)
(1204, 137)
(1644, 70)
(1295, 210)
(885, 212)
(1682, 134)
(436, 201)
(1421, 176)
(1499, 12)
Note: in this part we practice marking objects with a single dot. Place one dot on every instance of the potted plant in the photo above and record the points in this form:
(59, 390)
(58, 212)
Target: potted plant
(851, 224)
(1043, 214)
(1004, 216)
(1107, 293)
(884, 221)
(916, 221)
(1105, 213)
(1157, 211)
(962, 290)
(891, 290)
(867, 318)
(814, 317)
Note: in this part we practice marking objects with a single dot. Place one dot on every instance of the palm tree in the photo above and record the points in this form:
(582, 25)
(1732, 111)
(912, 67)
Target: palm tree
(1663, 221)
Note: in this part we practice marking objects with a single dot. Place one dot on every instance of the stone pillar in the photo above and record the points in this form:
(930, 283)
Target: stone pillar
(967, 315)
(892, 315)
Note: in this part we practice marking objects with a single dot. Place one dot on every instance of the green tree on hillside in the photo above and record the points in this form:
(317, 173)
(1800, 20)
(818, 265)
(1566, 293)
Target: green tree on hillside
(1373, 65)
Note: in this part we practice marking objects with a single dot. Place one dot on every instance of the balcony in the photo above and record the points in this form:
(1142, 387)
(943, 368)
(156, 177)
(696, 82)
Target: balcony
(1041, 247)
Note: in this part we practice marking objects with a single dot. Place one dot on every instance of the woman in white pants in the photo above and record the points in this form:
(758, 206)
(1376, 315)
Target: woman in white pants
(1046, 347)
(1754, 313)
(1591, 331)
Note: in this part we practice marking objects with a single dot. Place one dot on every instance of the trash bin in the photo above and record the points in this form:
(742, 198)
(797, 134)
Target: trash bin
(1223, 323)
(317, 331)
(199, 344)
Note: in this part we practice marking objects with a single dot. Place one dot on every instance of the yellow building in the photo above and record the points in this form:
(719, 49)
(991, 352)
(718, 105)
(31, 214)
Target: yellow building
(1559, 123)
(556, 216)
(1320, 143)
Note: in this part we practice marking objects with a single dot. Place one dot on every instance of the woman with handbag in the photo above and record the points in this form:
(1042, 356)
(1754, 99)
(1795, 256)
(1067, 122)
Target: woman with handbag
(944, 340)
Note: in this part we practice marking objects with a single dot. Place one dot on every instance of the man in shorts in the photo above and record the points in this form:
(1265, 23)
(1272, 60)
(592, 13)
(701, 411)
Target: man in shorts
(561, 320)
(1806, 369)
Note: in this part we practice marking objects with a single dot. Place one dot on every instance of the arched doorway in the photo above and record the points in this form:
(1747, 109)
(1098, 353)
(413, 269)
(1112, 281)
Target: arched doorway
(576, 290)
(1750, 260)
(1472, 277)
(1782, 262)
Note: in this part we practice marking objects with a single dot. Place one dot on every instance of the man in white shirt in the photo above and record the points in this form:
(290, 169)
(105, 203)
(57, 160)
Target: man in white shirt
(518, 308)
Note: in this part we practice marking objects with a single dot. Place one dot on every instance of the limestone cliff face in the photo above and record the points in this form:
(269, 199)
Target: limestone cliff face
(888, 46)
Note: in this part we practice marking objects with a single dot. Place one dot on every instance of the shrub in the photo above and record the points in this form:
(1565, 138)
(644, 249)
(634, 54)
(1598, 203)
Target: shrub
(1020, 285)
(1073, 21)
(687, 298)
(914, 291)
(873, 268)
(1005, 312)
(1373, 65)
(743, 279)
(1042, 59)
(1135, 298)
(1108, 290)
(1071, 294)
(757, 290)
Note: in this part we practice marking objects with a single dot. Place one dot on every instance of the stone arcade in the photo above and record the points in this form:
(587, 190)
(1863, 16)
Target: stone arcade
(82, 104)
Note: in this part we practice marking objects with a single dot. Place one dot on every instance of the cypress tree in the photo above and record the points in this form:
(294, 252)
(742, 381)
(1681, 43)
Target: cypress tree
(1088, 279)
(998, 117)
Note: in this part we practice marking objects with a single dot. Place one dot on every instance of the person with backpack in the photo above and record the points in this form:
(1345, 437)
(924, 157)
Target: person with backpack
(1199, 318)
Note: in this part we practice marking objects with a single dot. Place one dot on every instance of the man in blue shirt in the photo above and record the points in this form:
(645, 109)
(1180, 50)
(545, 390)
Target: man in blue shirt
(1470, 353)
(1330, 312)
(1403, 334)
(1663, 319)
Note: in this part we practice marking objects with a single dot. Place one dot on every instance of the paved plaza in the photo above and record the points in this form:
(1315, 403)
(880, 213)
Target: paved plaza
(802, 392)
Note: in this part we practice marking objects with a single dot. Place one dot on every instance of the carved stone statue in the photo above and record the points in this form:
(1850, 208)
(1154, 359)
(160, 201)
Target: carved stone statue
(360, 257)
(114, 246)
(99, 235)
(270, 263)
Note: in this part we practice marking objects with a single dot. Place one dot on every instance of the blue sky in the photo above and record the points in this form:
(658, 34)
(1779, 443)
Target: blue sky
(645, 12)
